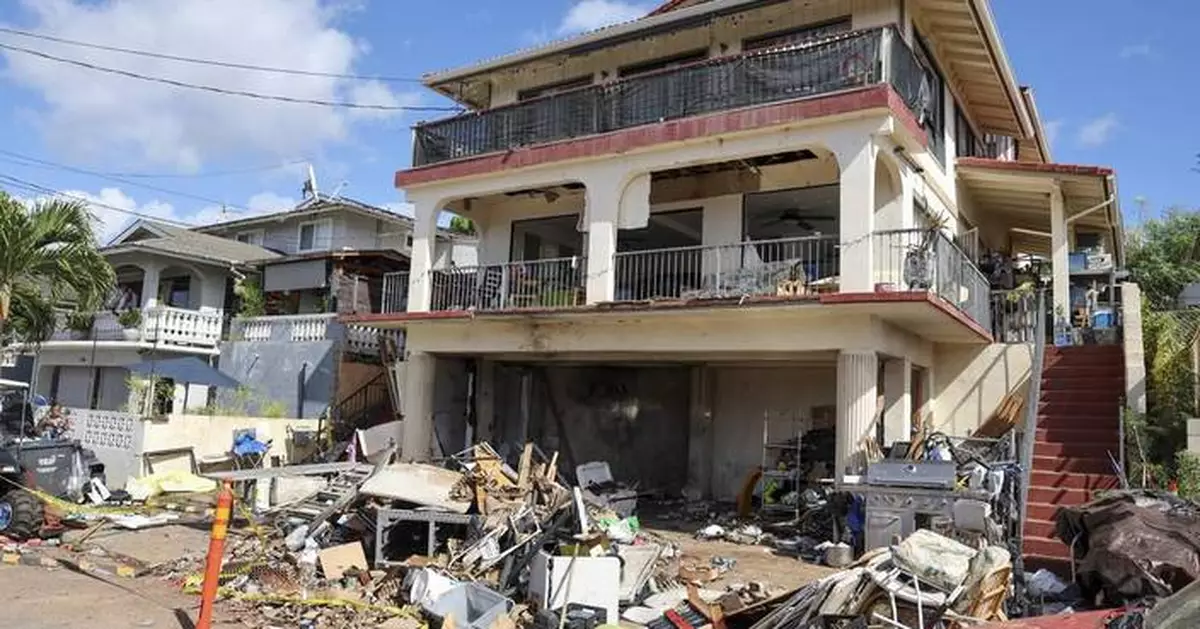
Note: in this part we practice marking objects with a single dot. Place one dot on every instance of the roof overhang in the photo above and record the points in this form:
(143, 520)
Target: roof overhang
(135, 247)
(441, 81)
(1018, 195)
(965, 36)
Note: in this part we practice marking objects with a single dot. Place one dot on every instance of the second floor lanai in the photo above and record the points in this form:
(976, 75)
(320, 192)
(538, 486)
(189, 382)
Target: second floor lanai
(865, 153)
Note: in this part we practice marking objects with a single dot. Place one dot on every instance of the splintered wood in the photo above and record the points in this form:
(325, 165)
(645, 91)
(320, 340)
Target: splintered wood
(1007, 417)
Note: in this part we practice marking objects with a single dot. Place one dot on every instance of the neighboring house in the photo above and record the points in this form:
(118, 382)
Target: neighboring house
(324, 257)
(180, 281)
(733, 218)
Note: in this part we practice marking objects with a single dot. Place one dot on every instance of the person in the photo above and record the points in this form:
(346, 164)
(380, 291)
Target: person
(56, 422)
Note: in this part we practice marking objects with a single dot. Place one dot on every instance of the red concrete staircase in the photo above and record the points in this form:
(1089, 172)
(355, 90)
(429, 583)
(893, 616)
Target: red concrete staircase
(1078, 424)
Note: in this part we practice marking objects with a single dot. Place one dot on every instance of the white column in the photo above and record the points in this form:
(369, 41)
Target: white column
(857, 373)
(420, 282)
(857, 213)
(150, 278)
(417, 398)
(897, 400)
(1059, 250)
(614, 199)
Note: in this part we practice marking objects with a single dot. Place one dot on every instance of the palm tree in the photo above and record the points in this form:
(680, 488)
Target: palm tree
(47, 254)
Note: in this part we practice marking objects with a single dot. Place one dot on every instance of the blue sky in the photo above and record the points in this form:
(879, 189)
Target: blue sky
(1113, 84)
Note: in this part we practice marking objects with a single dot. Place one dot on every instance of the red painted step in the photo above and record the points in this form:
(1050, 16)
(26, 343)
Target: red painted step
(1045, 547)
(1039, 528)
(1076, 449)
(1068, 380)
(1041, 511)
(1065, 496)
(1079, 466)
(1109, 395)
(1091, 482)
(1068, 434)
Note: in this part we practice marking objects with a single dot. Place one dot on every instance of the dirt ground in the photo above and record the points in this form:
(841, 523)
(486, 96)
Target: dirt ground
(60, 598)
(43, 598)
(754, 562)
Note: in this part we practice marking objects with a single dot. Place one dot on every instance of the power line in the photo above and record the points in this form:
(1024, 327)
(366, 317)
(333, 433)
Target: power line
(36, 188)
(209, 62)
(33, 161)
(222, 90)
(215, 173)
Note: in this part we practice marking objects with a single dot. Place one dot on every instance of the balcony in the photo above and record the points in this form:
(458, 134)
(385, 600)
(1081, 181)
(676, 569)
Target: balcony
(928, 260)
(842, 62)
(161, 325)
(550, 283)
(786, 266)
(310, 328)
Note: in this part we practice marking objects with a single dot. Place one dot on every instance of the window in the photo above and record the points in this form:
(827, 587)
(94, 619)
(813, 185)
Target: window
(554, 88)
(252, 237)
(408, 241)
(662, 64)
(798, 35)
(933, 93)
(314, 236)
(966, 144)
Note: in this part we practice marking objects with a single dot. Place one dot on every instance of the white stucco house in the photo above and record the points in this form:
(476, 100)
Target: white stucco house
(730, 218)
(326, 256)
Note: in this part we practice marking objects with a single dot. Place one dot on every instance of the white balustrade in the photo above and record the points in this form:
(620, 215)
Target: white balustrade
(180, 326)
(311, 327)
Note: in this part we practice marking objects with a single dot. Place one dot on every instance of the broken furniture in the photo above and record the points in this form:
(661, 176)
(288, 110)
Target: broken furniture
(596, 481)
(558, 581)
(387, 519)
(471, 606)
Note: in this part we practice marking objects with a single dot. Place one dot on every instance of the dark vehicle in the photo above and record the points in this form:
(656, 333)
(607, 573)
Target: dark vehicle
(56, 466)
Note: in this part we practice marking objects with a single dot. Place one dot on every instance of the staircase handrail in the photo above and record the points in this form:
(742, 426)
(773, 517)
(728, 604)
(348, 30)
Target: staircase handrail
(360, 396)
(1032, 398)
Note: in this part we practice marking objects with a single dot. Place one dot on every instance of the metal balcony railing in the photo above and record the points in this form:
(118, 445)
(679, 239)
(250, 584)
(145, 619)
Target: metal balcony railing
(550, 283)
(840, 62)
(927, 260)
(787, 266)
(1014, 316)
(395, 292)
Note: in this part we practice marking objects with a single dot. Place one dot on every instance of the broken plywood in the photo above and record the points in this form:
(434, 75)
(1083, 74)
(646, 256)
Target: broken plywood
(423, 485)
(336, 560)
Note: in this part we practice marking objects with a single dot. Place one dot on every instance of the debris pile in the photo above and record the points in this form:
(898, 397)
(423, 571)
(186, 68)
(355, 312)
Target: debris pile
(925, 581)
(1130, 545)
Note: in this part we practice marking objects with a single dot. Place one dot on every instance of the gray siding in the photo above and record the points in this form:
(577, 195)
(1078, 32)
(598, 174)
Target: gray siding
(300, 375)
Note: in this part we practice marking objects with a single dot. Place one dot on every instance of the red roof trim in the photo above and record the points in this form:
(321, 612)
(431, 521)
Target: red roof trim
(1056, 169)
(669, 5)
(624, 140)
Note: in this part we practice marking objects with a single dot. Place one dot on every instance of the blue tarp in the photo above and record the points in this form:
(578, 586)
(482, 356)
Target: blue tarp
(189, 369)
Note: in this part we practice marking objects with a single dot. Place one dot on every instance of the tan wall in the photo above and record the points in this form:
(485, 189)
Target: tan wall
(1193, 444)
(970, 382)
(213, 436)
(742, 395)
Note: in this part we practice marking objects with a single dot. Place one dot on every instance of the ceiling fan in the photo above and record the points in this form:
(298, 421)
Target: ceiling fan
(794, 217)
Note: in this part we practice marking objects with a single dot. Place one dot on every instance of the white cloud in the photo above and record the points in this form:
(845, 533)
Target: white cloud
(113, 210)
(588, 15)
(1053, 129)
(100, 117)
(1098, 131)
(1136, 50)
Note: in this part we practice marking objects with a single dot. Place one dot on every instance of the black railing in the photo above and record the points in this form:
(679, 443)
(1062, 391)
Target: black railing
(841, 62)
(365, 407)
(1014, 315)
(927, 260)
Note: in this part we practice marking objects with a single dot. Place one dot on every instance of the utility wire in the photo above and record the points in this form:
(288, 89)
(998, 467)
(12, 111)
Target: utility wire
(208, 62)
(41, 163)
(221, 90)
(36, 188)
(215, 173)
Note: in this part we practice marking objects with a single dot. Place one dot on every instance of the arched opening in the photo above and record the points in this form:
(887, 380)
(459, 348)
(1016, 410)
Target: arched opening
(752, 226)
(531, 251)
(128, 293)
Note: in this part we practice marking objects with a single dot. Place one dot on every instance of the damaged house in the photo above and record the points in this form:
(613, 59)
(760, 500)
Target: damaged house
(733, 229)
